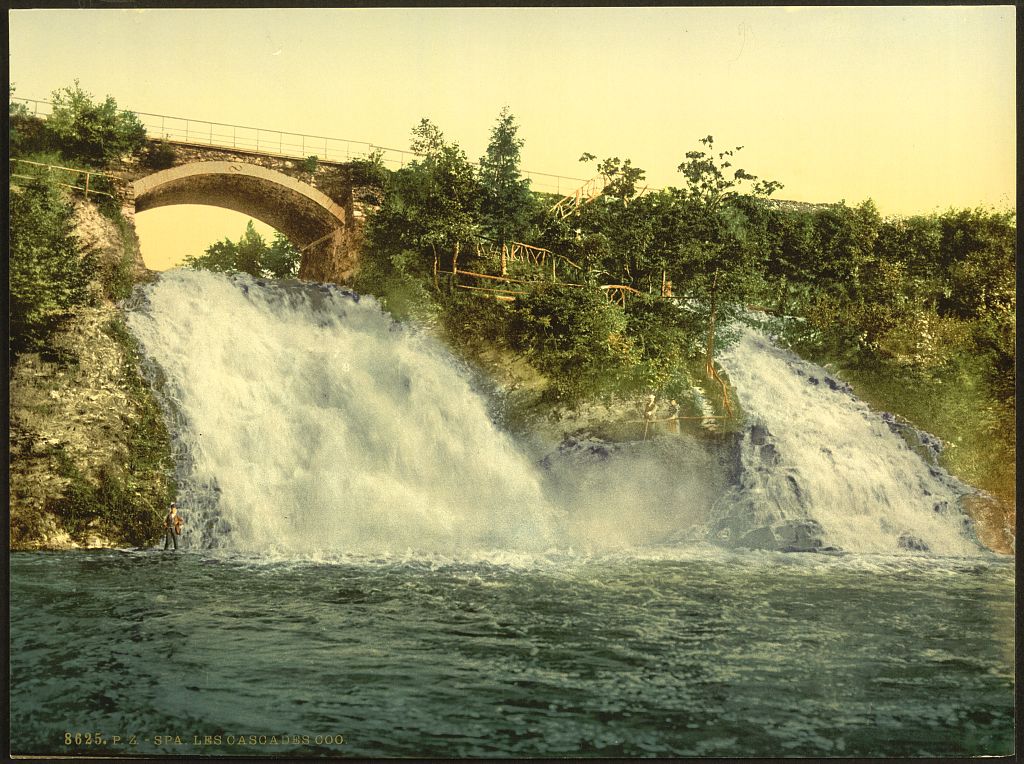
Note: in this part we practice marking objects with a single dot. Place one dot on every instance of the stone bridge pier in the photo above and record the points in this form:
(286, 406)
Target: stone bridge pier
(309, 202)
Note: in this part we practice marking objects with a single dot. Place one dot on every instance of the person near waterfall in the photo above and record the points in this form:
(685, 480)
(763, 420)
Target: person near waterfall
(649, 408)
(172, 526)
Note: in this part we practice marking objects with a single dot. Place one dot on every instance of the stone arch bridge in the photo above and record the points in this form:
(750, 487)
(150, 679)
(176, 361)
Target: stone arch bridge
(312, 203)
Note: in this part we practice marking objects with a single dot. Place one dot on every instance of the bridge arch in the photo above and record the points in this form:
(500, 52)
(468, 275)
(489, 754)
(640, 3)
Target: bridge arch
(312, 221)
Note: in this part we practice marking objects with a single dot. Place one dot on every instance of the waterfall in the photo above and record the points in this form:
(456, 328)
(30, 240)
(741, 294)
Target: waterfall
(819, 468)
(309, 422)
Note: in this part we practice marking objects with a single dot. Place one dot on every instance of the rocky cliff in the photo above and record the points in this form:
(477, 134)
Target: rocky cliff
(90, 463)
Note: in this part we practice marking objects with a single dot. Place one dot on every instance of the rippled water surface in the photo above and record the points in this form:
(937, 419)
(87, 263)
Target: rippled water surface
(689, 652)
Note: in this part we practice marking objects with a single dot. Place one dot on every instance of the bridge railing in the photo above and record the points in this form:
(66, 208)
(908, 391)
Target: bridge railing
(24, 172)
(293, 145)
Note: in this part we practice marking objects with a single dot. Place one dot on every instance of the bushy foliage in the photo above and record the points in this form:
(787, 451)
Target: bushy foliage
(914, 291)
(436, 210)
(118, 276)
(667, 338)
(921, 298)
(576, 338)
(159, 156)
(27, 133)
(250, 254)
(429, 213)
(921, 311)
(370, 171)
(49, 274)
(92, 132)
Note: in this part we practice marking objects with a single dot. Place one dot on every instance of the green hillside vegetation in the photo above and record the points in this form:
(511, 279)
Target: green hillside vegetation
(917, 312)
(55, 280)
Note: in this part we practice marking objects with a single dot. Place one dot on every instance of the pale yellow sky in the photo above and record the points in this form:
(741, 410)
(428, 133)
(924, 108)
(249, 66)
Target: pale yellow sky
(911, 106)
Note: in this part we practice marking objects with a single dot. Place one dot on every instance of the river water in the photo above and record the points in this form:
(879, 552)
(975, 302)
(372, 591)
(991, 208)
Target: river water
(698, 652)
(371, 567)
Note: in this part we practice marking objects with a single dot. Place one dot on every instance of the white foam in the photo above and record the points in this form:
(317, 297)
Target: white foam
(324, 427)
(856, 477)
(313, 427)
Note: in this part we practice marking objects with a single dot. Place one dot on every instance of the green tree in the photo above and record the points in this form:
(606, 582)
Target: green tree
(719, 258)
(369, 178)
(220, 257)
(622, 225)
(92, 132)
(250, 254)
(507, 206)
(27, 133)
(250, 250)
(977, 251)
(430, 210)
(281, 259)
(709, 182)
(844, 245)
(667, 341)
(446, 192)
(576, 338)
(621, 177)
(49, 275)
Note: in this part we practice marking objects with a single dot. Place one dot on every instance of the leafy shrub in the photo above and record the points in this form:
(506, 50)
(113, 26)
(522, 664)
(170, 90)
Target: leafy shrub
(576, 338)
(49, 275)
(667, 340)
(471, 322)
(250, 254)
(118, 277)
(28, 135)
(159, 156)
(91, 132)
(370, 171)
(27, 132)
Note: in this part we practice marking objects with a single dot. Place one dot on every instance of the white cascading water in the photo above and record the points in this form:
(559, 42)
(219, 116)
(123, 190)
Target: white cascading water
(309, 423)
(325, 428)
(815, 451)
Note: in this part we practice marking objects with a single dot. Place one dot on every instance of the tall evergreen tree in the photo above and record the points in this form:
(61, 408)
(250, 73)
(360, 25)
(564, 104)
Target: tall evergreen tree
(507, 205)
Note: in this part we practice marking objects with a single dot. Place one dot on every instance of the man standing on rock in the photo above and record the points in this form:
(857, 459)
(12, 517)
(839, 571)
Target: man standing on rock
(172, 525)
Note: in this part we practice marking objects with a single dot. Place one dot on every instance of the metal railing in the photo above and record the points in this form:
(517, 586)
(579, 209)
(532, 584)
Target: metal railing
(259, 140)
(74, 174)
